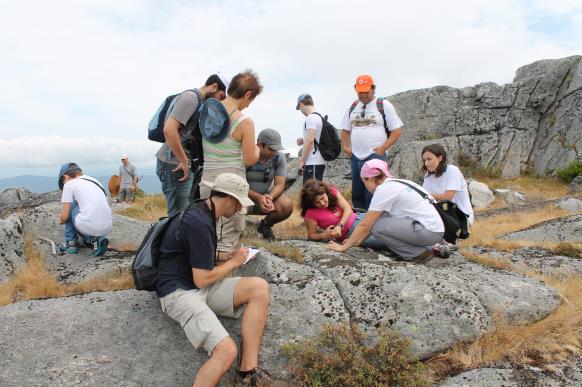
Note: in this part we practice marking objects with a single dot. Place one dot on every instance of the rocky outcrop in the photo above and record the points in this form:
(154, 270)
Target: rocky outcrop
(11, 246)
(123, 338)
(568, 229)
(533, 123)
(575, 187)
(571, 205)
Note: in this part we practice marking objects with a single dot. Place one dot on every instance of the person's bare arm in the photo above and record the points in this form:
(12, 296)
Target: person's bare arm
(346, 135)
(278, 187)
(312, 233)
(245, 133)
(391, 140)
(345, 206)
(172, 134)
(360, 234)
(203, 278)
(65, 213)
(448, 195)
(308, 145)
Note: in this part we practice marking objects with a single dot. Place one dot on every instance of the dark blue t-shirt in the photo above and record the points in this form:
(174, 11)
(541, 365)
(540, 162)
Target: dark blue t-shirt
(195, 248)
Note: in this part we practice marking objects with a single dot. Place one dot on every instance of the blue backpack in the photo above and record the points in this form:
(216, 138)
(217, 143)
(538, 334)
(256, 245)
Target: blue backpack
(156, 125)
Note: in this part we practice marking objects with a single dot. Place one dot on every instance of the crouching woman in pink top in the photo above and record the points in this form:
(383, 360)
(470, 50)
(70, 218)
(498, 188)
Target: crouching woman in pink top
(325, 209)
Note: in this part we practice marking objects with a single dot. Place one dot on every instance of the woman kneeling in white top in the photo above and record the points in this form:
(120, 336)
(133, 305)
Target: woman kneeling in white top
(445, 181)
(400, 219)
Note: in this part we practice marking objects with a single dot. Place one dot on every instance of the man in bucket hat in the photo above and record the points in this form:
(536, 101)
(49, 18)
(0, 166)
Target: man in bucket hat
(85, 211)
(370, 127)
(194, 287)
(173, 159)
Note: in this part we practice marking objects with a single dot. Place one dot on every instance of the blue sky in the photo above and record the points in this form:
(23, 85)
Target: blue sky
(81, 79)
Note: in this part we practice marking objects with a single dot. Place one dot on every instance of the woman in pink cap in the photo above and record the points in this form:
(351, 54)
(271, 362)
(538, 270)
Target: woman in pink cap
(399, 219)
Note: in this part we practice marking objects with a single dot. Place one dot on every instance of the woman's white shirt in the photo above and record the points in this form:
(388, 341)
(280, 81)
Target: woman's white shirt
(451, 180)
(402, 201)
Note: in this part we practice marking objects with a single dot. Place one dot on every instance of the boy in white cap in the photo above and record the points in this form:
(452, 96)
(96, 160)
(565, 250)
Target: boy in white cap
(128, 180)
(193, 285)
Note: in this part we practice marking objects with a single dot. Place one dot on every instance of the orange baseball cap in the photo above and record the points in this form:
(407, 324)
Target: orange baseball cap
(364, 83)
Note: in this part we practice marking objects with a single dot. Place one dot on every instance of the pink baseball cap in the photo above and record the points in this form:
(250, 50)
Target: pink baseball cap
(375, 167)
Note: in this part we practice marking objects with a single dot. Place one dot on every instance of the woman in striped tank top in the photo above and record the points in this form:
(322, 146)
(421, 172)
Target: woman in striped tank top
(233, 154)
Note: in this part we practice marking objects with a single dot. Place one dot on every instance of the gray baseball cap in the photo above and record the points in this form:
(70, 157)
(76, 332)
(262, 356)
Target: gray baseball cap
(271, 138)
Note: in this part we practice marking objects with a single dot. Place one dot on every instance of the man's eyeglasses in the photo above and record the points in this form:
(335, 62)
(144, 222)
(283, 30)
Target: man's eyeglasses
(363, 112)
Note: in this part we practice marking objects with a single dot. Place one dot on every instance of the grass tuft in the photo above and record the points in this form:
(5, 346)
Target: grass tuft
(553, 339)
(339, 356)
(147, 207)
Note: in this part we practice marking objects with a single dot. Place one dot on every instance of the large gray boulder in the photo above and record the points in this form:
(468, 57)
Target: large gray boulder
(123, 338)
(567, 229)
(532, 123)
(43, 222)
(571, 205)
(437, 304)
(11, 246)
(14, 196)
(481, 195)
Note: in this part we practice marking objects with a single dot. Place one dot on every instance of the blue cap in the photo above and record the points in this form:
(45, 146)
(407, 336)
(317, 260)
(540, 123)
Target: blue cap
(68, 167)
(214, 121)
(301, 98)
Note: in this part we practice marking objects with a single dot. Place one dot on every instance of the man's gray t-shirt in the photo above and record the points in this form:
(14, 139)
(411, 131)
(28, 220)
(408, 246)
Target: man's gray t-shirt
(127, 173)
(182, 108)
(261, 177)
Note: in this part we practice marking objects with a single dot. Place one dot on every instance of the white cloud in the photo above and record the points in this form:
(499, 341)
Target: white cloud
(90, 74)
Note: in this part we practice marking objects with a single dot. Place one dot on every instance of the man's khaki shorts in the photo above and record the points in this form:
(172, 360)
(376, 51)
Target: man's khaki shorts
(196, 311)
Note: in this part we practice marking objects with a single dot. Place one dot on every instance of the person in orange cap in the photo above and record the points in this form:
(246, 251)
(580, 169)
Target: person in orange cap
(370, 127)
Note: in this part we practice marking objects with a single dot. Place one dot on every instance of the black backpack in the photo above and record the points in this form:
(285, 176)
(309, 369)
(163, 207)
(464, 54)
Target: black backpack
(452, 225)
(329, 144)
(144, 267)
(192, 142)
(380, 106)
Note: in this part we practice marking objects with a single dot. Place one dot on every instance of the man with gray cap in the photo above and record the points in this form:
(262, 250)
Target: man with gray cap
(311, 163)
(128, 180)
(194, 285)
(173, 158)
(267, 183)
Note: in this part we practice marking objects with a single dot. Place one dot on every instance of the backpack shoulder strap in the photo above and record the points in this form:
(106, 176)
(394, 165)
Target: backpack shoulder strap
(97, 184)
(352, 107)
(380, 106)
(421, 193)
(315, 143)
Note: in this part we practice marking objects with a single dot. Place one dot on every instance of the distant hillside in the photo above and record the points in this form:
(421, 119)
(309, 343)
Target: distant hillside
(40, 184)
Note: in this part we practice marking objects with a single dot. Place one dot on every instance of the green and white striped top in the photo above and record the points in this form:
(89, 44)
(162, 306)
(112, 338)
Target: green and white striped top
(225, 154)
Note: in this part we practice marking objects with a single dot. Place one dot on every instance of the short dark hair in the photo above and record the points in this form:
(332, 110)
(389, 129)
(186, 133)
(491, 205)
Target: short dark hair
(243, 82)
(214, 78)
(307, 100)
(438, 150)
(312, 189)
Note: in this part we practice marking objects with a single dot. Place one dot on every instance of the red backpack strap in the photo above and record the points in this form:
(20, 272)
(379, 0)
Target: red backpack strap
(354, 104)
(380, 106)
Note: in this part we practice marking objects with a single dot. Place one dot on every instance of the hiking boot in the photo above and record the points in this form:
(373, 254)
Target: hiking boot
(266, 231)
(451, 246)
(441, 251)
(424, 257)
(69, 247)
(255, 377)
(100, 246)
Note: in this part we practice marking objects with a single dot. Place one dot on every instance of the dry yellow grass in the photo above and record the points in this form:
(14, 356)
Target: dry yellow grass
(553, 339)
(148, 208)
(485, 230)
(536, 188)
(35, 281)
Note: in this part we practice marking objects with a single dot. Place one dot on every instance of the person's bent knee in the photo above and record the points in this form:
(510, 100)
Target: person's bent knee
(260, 288)
(226, 351)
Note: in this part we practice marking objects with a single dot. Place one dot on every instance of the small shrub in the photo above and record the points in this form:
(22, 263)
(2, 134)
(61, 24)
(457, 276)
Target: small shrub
(568, 249)
(339, 356)
(472, 168)
(568, 173)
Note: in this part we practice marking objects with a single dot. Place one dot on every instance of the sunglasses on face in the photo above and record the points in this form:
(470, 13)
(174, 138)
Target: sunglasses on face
(363, 112)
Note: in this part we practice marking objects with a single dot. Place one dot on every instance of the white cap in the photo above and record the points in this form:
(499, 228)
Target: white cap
(124, 157)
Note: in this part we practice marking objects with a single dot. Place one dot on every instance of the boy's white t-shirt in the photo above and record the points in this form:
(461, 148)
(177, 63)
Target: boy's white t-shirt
(451, 180)
(402, 201)
(313, 121)
(368, 132)
(94, 218)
